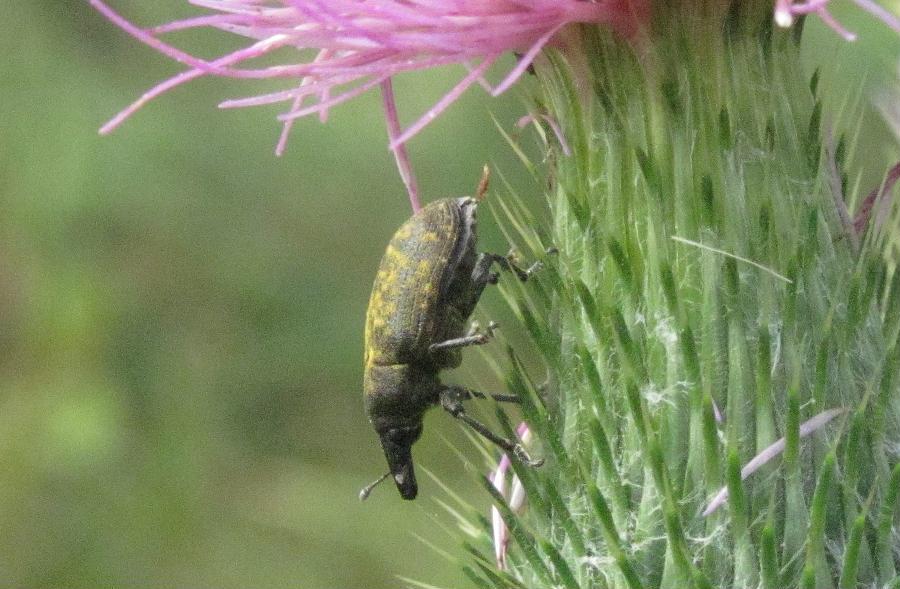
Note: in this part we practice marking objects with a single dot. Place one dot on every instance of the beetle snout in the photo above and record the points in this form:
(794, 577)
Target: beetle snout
(405, 477)
(401, 464)
(397, 446)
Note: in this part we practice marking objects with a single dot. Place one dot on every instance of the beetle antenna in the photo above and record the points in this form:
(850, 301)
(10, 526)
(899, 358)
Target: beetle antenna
(483, 183)
(364, 493)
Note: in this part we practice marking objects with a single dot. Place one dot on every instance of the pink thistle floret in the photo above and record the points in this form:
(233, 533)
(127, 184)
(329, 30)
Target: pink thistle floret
(515, 498)
(348, 47)
(808, 427)
(787, 11)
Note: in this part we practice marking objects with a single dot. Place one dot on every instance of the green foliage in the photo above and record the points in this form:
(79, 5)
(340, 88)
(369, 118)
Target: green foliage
(181, 319)
(707, 299)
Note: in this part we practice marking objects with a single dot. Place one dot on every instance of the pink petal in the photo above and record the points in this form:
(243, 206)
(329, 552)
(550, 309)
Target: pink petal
(806, 428)
(403, 163)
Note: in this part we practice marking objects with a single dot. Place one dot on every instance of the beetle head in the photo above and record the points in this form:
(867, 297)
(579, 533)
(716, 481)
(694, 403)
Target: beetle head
(397, 443)
(468, 207)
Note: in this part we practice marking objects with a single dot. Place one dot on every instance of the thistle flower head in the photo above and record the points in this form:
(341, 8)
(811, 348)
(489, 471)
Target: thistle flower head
(348, 47)
(345, 48)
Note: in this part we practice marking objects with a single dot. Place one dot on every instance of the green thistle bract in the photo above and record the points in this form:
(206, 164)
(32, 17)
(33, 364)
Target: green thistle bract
(719, 326)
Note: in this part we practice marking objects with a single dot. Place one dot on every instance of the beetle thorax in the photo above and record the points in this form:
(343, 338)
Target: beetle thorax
(398, 395)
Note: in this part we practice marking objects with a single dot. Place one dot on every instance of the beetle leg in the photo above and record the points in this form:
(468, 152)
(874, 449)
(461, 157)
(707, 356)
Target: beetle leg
(460, 342)
(451, 402)
(482, 274)
(474, 338)
(470, 394)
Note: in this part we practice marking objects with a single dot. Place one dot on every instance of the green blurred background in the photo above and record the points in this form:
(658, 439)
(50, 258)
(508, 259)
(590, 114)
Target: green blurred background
(181, 315)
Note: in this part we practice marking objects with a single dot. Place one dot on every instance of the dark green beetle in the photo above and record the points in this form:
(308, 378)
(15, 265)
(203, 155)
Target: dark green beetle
(428, 284)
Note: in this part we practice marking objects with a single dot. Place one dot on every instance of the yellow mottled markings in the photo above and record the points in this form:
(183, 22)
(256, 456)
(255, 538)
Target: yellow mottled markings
(423, 274)
(394, 257)
(401, 316)
(381, 306)
(404, 232)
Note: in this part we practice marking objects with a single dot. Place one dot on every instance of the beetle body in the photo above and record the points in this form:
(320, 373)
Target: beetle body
(423, 294)
(427, 286)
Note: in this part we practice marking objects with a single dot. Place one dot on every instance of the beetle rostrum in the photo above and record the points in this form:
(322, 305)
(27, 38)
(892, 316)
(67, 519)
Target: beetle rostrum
(427, 286)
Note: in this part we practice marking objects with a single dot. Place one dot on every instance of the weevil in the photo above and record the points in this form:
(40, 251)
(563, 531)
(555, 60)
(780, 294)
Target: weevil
(427, 286)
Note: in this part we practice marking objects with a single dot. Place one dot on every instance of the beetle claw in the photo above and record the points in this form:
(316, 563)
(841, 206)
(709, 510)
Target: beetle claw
(510, 262)
(534, 268)
(524, 458)
(488, 333)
